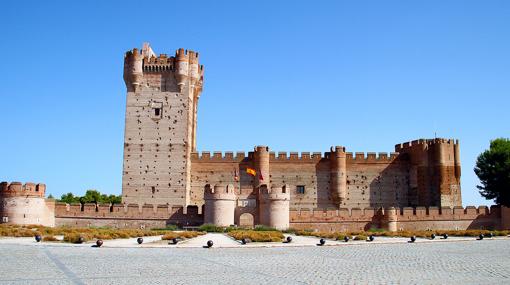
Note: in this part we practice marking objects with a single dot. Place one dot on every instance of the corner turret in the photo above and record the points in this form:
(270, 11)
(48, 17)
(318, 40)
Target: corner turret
(25, 204)
(220, 203)
(274, 206)
(434, 171)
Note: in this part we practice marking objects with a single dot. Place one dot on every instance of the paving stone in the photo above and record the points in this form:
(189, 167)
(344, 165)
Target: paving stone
(462, 262)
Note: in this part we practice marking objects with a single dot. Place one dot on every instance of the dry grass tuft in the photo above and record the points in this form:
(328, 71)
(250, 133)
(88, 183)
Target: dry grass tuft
(71, 234)
(49, 238)
(258, 236)
(181, 235)
(422, 234)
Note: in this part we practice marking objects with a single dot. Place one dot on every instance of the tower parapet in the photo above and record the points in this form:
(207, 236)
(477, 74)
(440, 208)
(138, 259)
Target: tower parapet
(220, 202)
(17, 189)
(434, 171)
(184, 66)
(274, 206)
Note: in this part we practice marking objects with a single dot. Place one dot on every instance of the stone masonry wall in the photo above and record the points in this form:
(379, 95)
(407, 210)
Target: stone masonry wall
(373, 181)
(419, 218)
(125, 216)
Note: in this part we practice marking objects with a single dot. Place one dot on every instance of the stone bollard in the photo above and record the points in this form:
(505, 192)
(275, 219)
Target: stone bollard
(210, 243)
(38, 238)
(445, 236)
(139, 240)
(99, 243)
(289, 239)
(432, 236)
(346, 238)
(371, 238)
(322, 241)
(175, 241)
(413, 238)
(480, 237)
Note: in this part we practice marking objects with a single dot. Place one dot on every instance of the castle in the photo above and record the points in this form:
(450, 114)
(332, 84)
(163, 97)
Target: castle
(166, 181)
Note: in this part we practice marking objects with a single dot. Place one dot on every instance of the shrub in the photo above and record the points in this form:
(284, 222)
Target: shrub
(257, 236)
(167, 228)
(360, 237)
(49, 238)
(210, 228)
(73, 237)
(262, 228)
(181, 235)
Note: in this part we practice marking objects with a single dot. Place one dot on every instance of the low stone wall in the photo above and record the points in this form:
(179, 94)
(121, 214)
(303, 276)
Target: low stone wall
(420, 218)
(125, 216)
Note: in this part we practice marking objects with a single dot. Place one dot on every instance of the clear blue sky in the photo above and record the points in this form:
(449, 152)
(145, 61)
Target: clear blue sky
(297, 76)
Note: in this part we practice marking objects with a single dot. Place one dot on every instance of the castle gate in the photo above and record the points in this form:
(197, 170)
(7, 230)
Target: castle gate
(246, 220)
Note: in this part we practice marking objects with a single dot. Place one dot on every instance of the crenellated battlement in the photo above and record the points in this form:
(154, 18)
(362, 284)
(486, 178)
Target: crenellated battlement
(424, 143)
(218, 156)
(183, 66)
(123, 212)
(293, 157)
(401, 214)
(15, 189)
(361, 157)
(219, 192)
(275, 192)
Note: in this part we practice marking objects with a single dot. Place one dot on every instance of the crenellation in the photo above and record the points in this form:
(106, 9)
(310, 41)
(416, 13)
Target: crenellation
(316, 156)
(19, 189)
(217, 156)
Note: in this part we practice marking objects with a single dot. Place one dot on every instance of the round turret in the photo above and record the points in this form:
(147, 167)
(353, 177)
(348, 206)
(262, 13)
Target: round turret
(181, 67)
(391, 218)
(25, 204)
(261, 164)
(220, 203)
(133, 69)
(274, 206)
(338, 175)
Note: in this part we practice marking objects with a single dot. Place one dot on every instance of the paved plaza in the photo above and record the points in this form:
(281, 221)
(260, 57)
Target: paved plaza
(463, 262)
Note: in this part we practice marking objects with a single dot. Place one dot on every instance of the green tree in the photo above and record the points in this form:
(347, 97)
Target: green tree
(50, 196)
(493, 170)
(91, 196)
(69, 198)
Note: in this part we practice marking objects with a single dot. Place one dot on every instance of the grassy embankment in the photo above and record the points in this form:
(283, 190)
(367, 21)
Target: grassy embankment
(258, 234)
(424, 234)
(73, 234)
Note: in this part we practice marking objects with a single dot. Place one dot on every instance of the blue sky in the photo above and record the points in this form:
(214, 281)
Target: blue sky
(297, 76)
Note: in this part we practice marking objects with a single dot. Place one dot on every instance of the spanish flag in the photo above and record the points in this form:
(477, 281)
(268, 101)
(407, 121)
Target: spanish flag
(251, 171)
(236, 177)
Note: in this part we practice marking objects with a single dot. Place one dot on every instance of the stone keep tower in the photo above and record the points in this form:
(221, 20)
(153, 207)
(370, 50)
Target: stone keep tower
(160, 128)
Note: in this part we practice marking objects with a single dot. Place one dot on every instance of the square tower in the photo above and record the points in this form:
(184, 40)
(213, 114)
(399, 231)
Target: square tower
(160, 127)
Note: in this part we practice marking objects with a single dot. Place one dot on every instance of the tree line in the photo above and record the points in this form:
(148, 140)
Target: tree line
(91, 196)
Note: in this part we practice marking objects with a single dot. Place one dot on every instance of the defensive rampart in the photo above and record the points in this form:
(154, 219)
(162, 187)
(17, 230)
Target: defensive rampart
(126, 216)
(420, 218)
